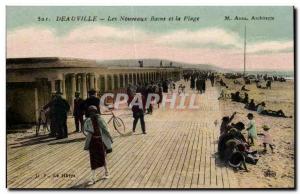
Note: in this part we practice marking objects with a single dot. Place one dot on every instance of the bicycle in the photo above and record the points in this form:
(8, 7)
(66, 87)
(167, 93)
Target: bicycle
(118, 123)
(42, 121)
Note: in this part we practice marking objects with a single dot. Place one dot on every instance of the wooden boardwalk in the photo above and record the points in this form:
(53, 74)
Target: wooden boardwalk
(177, 152)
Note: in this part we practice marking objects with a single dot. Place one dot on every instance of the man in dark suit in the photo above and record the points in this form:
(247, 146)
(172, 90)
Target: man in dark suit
(92, 100)
(59, 108)
(78, 111)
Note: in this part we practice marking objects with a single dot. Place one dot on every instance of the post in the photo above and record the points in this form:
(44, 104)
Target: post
(245, 52)
(84, 89)
(73, 88)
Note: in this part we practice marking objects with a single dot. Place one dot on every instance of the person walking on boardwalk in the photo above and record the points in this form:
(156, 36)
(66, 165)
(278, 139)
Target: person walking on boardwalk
(212, 79)
(160, 94)
(192, 85)
(138, 109)
(92, 100)
(198, 85)
(98, 141)
(78, 111)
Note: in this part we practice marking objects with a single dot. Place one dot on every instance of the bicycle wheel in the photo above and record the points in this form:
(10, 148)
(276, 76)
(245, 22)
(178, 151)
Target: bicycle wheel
(119, 125)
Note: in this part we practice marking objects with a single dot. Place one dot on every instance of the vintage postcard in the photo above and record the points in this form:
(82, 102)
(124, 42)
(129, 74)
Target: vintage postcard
(150, 97)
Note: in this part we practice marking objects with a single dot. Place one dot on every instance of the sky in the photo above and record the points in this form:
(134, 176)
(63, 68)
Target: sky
(210, 40)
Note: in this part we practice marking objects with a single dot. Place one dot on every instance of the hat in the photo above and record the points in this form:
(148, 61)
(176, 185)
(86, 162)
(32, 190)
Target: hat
(250, 115)
(92, 108)
(265, 127)
(92, 92)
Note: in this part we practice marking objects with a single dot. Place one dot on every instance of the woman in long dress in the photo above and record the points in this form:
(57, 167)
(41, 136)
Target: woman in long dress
(98, 141)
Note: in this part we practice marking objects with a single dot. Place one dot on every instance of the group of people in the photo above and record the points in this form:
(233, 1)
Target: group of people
(236, 149)
(259, 108)
(198, 80)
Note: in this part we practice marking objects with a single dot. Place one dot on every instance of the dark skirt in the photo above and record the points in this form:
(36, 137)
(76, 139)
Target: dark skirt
(97, 153)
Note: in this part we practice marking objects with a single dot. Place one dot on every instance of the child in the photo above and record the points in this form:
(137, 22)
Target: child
(251, 129)
(267, 139)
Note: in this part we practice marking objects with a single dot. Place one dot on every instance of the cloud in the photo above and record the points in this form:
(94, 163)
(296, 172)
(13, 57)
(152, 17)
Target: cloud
(205, 46)
(105, 34)
(210, 37)
(272, 46)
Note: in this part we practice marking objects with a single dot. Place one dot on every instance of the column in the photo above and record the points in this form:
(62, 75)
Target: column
(112, 82)
(63, 86)
(106, 82)
(124, 80)
(96, 82)
(92, 81)
(84, 90)
(73, 88)
(53, 90)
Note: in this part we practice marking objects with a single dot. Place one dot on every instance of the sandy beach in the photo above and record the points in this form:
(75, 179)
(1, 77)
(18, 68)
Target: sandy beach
(272, 170)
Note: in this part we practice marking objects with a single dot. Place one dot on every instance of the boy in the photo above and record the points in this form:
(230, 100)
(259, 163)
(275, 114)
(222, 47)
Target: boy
(251, 129)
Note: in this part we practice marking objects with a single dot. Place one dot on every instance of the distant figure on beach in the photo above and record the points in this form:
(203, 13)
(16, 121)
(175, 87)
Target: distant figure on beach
(244, 88)
(267, 139)
(98, 141)
(279, 113)
(251, 128)
(246, 98)
(236, 97)
(251, 105)
(268, 84)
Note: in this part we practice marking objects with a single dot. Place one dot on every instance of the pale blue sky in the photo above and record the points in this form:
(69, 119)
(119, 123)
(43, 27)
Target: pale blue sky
(281, 29)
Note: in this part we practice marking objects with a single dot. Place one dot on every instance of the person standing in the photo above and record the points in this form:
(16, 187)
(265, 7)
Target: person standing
(59, 111)
(252, 134)
(138, 112)
(199, 86)
(78, 111)
(212, 79)
(165, 86)
(192, 85)
(98, 141)
(160, 94)
(48, 109)
(92, 100)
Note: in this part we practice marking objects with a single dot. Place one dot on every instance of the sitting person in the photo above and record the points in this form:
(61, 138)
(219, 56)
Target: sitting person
(268, 84)
(258, 85)
(279, 113)
(236, 97)
(244, 88)
(233, 133)
(246, 99)
(251, 105)
(225, 123)
(237, 82)
(222, 83)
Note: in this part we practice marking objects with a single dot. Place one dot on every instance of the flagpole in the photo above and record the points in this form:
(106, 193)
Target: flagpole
(245, 51)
